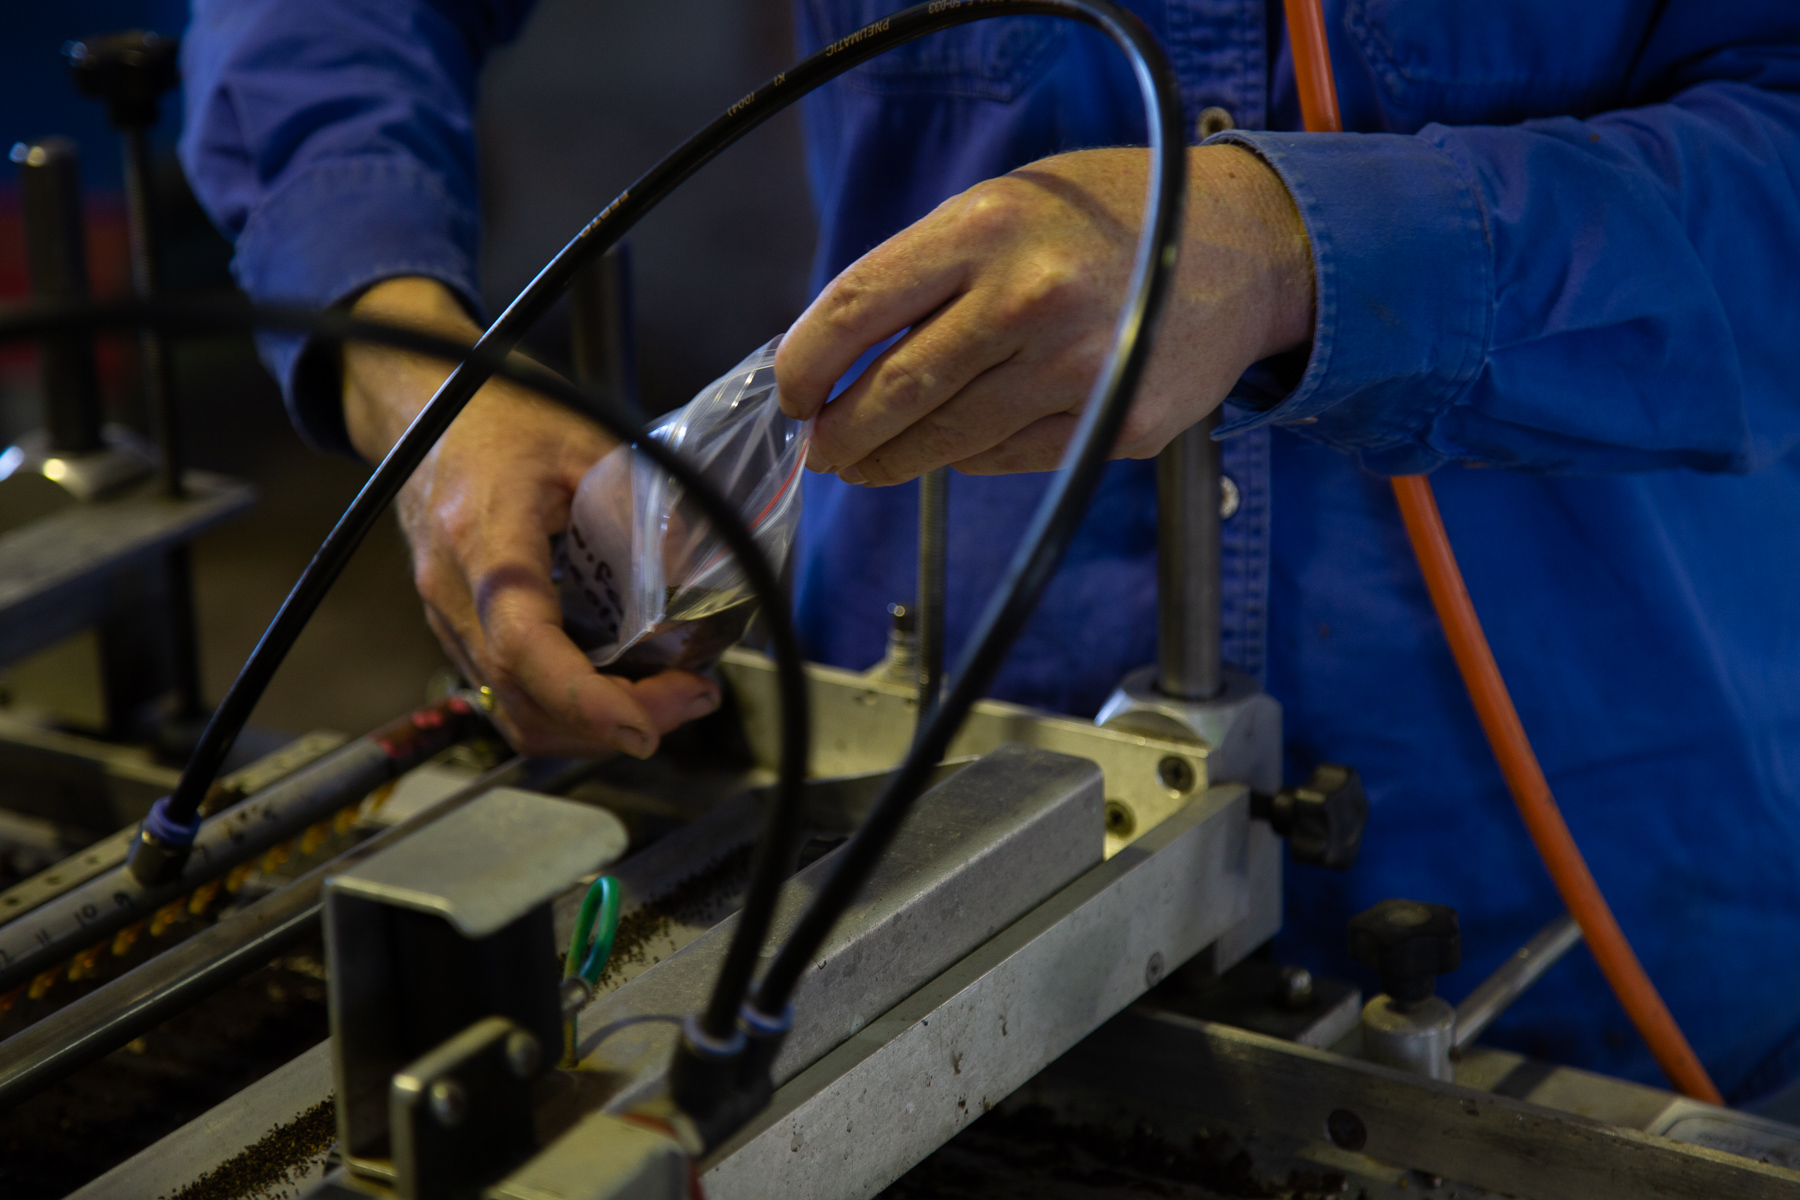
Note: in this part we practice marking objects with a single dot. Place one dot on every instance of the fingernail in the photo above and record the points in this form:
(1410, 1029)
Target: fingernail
(851, 475)
(700, 706)
(634, 742)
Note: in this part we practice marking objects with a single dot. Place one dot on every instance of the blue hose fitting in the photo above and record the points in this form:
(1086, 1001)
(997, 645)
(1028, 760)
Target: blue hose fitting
(161, 848)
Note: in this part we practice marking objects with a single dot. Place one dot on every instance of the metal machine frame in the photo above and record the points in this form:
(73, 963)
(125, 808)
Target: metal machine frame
(915, 1034)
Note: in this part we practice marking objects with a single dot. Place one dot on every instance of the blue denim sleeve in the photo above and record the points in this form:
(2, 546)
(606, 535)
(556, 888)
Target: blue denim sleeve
(1573, 296)
(333, 142)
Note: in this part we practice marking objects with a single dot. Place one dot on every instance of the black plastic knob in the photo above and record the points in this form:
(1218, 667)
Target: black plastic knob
(1323, 820)
(128, 70)
(1409, 944)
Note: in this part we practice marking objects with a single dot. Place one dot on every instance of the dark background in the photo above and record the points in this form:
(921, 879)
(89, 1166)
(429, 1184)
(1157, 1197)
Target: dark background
(590, 96)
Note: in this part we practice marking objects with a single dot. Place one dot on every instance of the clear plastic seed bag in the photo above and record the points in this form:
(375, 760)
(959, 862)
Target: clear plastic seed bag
(645, 580)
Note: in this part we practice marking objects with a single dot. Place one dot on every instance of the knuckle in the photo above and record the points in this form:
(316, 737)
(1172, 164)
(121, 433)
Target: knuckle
(1050, 286)
(457, 523)
(847, 302)
(995, 207)
(877, 471)
(431, 578)
(902, 385)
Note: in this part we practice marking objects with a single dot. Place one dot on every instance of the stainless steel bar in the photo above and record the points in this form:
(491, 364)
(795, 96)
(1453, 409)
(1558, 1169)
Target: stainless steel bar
(1242, 1080)
(663, 873)
(110, 851)
(1524, 968)
(1189, 665)
(87, 915)
(137, 1001)
(907, 1082)
(662, 880)
(979, 850)
(934, 494)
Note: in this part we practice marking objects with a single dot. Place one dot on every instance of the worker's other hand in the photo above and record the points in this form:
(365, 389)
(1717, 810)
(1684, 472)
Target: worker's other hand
(1012, 291)
(479, 513)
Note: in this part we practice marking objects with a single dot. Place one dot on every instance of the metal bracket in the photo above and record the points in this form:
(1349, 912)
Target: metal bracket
(1241, 726)
(444, 928)
(461, 1116)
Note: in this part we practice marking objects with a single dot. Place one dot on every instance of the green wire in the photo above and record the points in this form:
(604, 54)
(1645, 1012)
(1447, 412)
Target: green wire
(602, 899)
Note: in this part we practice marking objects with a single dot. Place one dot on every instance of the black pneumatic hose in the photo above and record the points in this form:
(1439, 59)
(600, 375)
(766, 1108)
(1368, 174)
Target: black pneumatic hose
(1046, 542)
(1062, 508)
(227, 722)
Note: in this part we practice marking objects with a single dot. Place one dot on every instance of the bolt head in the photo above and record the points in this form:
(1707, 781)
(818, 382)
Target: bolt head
(1294, 988)
(1176, 774)
(523, 1054)
(1153, 970)
(1346, 1130)
(449, 1103)
(1120, 821)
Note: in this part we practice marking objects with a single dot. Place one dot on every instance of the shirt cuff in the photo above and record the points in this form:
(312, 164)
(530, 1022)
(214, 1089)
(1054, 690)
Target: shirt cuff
(1405, 281)
(331, 232)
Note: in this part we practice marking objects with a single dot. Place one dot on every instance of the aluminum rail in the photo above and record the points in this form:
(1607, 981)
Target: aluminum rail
(88, 915)
(141, 999)
(1238, 1080)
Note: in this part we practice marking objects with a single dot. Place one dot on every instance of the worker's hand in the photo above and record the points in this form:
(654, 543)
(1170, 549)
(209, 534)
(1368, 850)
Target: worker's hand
(479, 513)
(1012, 291)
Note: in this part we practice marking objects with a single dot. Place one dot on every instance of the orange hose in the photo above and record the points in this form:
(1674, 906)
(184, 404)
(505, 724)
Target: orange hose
(1487, 690)
(1312, 66)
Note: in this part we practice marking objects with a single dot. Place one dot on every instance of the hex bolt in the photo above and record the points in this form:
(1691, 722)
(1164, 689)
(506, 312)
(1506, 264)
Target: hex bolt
(1346, 1130)
(449, 1103)
(1153, 970)
(523, 1054)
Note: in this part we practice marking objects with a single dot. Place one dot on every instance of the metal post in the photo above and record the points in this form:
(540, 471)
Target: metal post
(934, 488)
(55, 245)
(146, 273)
(130, 71)
(159, 403)
(1188, 565)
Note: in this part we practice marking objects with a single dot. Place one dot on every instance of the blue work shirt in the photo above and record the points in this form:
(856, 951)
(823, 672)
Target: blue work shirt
(1556, 268)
